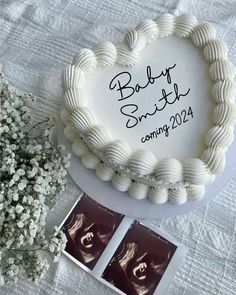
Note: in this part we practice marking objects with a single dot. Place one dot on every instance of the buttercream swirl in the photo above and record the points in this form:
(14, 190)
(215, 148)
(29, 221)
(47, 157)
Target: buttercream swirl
(214, 158)
(126, 57)
(99, 137)
(158, 195)
(79, 147)
(65, 116)
(215, 50)
(196, 172)
(90, 160)
(178, 195)
(85, 60)
(135, 40)
(195, 192)
(118, 152)
(224, 91)
(220, 136)
(166, 25)
(104, 172)
(138, 190)
(222, 69)
(224, 114)
(149, 29)
(70, 133)
(72, 77)
(74, 98)
(105, 53)
(121, 182)
(169, 170)
(203, 33)
(184, 25)
(83, 119)
(142, 162)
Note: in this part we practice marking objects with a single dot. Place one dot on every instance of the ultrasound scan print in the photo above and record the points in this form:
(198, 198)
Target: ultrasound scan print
(89, 228)
(140, 261)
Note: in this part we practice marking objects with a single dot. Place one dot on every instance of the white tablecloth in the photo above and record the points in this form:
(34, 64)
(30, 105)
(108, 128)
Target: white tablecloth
(37, 39)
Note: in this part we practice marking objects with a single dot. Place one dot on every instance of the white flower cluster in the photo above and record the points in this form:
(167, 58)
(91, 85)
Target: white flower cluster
(32, 174)
(57, 244)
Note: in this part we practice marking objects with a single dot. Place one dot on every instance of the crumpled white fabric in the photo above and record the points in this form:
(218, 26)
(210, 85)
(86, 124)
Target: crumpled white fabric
(37, 39)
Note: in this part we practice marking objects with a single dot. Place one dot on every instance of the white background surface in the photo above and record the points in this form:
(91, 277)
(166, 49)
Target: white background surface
(37, 39)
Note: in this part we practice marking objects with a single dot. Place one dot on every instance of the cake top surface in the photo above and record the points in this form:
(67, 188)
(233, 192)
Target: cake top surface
(169, 112)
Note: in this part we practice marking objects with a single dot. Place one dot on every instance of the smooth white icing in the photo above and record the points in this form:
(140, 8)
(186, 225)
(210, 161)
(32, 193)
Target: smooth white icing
(224, 114)
(222, 69)
(169, 170)
(138, 190)
(184, 25)
(196, 172)
(166, 25)
(195, 192)
(149, 29)
(118, 152)
(215, 50)
(142, 162)
(90, 160)
(105, 53)
(135, 40)
(178, 195)
(85, 60)
(83, 119)
(219, 136)
(126, 57)
(72, 77)
(79, 147)
(203, 33)
(65, 117)
(158, 195)
(70, 133)
(214, 158)
(74, 98)
(224, 91)
(99, 137)
(104, 172)
(121, 182)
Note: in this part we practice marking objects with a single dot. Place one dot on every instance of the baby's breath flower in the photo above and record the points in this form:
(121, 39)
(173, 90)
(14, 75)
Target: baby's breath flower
(32, 173)
(20, 224)
(19, 208)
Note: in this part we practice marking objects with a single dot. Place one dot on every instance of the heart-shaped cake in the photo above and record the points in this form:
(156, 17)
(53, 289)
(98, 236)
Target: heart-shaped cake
(153, 114)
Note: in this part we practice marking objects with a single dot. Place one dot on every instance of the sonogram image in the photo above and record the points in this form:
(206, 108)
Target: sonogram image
(89, 228)
(140, 261)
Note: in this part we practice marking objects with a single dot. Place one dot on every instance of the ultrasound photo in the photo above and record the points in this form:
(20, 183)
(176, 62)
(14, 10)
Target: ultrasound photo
(89, 228)
(140, 261)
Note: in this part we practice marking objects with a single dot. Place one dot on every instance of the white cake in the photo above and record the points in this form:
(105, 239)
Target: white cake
(153, 114)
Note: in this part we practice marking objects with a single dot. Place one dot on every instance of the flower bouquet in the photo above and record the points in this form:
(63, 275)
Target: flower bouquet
(32, 174)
